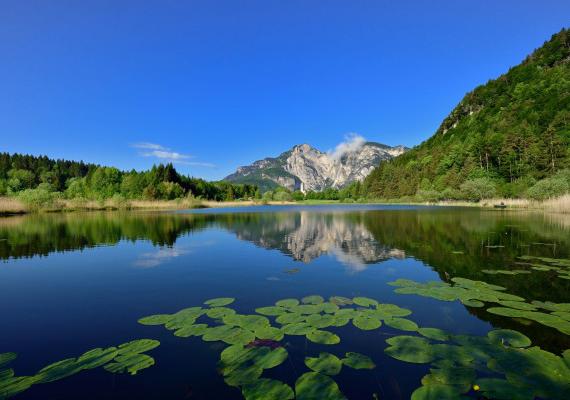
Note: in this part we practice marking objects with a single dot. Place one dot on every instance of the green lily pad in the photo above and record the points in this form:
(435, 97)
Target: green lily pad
(410, 349)
(58, 370)
(340, 320)
(287, 303)
(340, 301)
(290, 318)
(219, 312)
(364, 301)
(131, 363)
(271, 311)
(401, 324)
(97, 357)
(323, 337)
(307, 309)
(434, 333)
(508, 337)
(325, 363)
(238, 336)
(192, 330)
(266, 358)
(329, 308)
(243, 375)
(501, 389)
(312, 386)
(314, 299)
(138, 346)
(269, 332)
(267, 389)
(366, 323)
(158, 319)
(220, 301)
(393, 310)
(14, 385)
(299, 328)
(7, 358)
(461, 377)
(436, 392)
(217, 333)
(472, 303)
(358, 361)
(519, 305)
(321, 321)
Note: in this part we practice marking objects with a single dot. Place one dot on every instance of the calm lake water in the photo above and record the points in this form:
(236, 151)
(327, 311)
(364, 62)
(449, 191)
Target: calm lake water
(73, 282)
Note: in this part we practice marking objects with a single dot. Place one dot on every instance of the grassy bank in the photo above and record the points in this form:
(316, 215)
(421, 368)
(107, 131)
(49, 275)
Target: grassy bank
(11, 205)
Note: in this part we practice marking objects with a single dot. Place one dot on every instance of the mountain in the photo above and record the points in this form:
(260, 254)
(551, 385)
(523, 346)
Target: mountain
(511, 132)
(308, 169)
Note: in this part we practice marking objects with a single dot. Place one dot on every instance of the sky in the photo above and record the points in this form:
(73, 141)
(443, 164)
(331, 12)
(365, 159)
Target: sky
(211, 85)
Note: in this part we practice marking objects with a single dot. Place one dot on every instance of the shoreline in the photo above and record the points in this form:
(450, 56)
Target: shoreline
(11, 206)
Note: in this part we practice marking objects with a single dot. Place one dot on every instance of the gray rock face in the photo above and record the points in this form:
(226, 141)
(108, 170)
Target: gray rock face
(308, 169)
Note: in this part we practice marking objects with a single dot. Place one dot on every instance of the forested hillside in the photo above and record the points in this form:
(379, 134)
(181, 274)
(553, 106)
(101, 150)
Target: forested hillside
(25, 173)
(502, 139)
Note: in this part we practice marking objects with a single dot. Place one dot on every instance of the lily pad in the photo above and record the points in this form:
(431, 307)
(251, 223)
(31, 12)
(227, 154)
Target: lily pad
(269, 332)
(312, 386)
(321, 321)
(509, 337)
(14, 385)
(325, 363)
(366, 323)
(314, 299)
(410, 349)
(290, 318)
(364, 301)
(220, 301)
(158, 319)
(519, 305)
(472, 303)
(243, 375)
(299, 328)
(6, 358)
(401, 324)
(340, 301)
(97, 357)
(267, 389)
(192, 330)
(358, 361)
(501, 389)
(323, 337)
(58, 370)
(393, 310)
(267, 358)
(434, 333)
(138, 346)
(219, 312)
(271, 311)
(131, 363)
(287, 303)
(436, 392)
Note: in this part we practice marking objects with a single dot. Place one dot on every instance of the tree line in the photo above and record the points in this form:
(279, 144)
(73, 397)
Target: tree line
(75, 179)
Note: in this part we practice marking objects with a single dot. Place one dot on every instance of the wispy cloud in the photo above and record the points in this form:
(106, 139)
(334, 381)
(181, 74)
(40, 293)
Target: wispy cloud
(352, 142)
(163, 255)
(155, 150)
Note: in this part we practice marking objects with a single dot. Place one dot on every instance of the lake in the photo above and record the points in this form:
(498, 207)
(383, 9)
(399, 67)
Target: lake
(498, 302)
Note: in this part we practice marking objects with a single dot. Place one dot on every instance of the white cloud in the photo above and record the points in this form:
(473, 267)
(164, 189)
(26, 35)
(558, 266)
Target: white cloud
(165, 154)
(352, 142)
(163, 255)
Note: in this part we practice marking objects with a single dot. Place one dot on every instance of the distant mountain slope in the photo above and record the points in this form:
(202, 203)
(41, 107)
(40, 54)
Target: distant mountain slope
(308, 169)
(513, 130)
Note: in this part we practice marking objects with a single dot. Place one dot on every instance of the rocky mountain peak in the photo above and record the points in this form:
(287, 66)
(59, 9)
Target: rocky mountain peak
(306, 168)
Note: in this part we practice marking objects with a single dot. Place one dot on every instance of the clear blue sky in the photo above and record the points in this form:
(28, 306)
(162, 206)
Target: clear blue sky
(223, 83)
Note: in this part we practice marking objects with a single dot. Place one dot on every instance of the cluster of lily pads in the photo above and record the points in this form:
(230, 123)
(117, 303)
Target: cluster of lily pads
(477, 293)
(256, 341)
(544, 264)
(500, 366)
(125, 358)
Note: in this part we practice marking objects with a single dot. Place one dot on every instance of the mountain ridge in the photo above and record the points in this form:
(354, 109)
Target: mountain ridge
(305, 168)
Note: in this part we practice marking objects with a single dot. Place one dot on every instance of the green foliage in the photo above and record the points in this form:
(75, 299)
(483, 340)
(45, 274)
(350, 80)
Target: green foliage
(77, 180)
(478, 189)
(39, 198)
(554, 186)
(513, 131)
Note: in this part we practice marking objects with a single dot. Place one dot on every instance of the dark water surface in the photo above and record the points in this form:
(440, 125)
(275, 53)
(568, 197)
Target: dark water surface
(73, 282)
